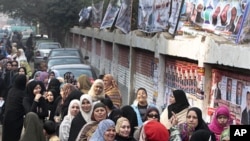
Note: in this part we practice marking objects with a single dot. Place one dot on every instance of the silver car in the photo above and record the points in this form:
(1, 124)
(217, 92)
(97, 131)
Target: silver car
(42, 50)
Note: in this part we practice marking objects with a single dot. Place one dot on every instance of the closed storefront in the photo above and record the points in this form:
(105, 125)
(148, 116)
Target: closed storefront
(144, 72)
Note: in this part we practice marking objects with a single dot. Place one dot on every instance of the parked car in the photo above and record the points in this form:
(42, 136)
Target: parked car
(42, 50)
(66, 52)
(60, 60)
(76, 69)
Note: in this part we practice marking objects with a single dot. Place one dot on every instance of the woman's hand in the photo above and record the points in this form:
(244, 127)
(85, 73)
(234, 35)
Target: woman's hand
(174, 119)
(37, 97)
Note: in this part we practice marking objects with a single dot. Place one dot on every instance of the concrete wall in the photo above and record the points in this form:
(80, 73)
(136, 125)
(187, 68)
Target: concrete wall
(206, 50)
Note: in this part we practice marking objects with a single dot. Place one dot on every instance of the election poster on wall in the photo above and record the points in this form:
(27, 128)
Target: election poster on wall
(244, 33)
(111, 14)
(96, 14)
(123, 21)
(231, 90)
(176, 7)
(186, 76)
(153, 15)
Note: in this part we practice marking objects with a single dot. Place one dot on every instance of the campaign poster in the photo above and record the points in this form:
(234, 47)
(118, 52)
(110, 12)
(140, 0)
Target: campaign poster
(96, 14)
(123, 21)
(176, 7)
(111, 14)
(153, 15)
(233, 91)
(244, 32)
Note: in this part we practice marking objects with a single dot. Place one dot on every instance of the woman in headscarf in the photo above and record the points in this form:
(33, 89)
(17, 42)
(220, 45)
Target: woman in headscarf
(97, 90)
(178, 105)
(65, 92)
(105, 131)
(22, 61)
(123, 129)
(193, 121)
(34, 100)
(111, 90)
(221, 120)
(74, 94)
(99, 113)
(83, 117)
(14, 110)
(152, 113)
(83, 83)
(153, 130)
(50, 100)
(73, 110)
(33, 128)
(20, 56)
(129, 113)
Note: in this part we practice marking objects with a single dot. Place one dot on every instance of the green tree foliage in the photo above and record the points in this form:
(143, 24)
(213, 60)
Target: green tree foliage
(58, 16)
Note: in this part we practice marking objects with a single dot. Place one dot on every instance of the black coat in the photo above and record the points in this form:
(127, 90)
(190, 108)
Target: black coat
(14, 111)
(76, 125)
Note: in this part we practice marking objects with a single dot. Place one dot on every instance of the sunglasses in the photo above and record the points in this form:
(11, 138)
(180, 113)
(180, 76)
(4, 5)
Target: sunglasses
(153, 116)
(14, 64)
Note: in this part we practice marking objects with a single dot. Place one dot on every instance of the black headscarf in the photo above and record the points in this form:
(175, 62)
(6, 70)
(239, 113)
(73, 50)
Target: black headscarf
(129, 113)
(31, 86)
(201, 123)
(181, 102)
(55, 84)
(20, 81)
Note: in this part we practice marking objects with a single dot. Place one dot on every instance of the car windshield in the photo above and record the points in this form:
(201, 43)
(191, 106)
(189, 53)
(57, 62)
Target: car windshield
(76, 71)
(48, 46)
(65, 53)
(61, 61)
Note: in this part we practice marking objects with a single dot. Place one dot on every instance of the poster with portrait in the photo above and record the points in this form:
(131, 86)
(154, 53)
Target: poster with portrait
(123, 21)
(153, 15)
(111, 14)
(96, 14)
(244, 32)
(176, 7)
(182, 75)
(196, 15)
(230, 90)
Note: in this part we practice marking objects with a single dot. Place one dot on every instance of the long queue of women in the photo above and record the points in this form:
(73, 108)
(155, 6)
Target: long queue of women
(66, 110)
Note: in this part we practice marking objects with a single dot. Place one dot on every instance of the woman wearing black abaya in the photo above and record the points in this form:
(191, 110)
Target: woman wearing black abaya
(14, 110)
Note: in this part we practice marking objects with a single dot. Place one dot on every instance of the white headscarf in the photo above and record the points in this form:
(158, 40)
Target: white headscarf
(74, 101)
(86, 116)
(21, 58)
(92, 90)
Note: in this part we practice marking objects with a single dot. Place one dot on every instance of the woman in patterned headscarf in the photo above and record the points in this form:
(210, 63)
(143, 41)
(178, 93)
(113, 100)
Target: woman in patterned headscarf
(105, 131)
(111, 90)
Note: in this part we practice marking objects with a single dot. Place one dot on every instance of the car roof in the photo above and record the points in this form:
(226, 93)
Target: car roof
(65, 49)
(70, 66)
(49, 43)
(59, 57)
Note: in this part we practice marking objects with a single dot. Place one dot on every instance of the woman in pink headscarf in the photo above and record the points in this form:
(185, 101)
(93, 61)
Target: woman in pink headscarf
(221, 121)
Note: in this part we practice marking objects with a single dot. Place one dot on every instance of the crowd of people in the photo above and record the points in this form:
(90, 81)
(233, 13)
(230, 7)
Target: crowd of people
(41, 106)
